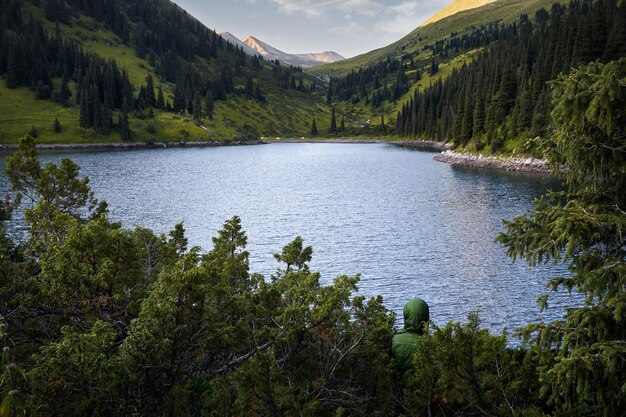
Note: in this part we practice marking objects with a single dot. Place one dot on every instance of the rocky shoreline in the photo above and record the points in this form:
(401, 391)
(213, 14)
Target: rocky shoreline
(129, 145)
(500, 163)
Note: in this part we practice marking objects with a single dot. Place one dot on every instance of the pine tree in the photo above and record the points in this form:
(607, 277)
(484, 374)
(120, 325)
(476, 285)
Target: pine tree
(478, 123)
(85, 111)
(342, 126)
(11, 80)
(160, 103)
(124, 127)
(56, 126)
(615, 45)
(64, 91)
(314, 131)
(434, 67)
(197, 109)
(333, 121)
(249, 90)
(209, 104)
(583, 365)
(329, 97)
(150, 97)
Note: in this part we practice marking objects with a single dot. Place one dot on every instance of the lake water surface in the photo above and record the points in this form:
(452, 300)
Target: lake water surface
(410, 226)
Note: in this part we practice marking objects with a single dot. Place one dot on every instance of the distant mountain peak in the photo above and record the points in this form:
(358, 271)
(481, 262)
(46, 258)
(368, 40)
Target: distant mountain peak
(236, 41)
(298, 60)
(455, 7)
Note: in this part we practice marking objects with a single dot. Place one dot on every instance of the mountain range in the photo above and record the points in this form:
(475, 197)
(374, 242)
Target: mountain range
(254, 46)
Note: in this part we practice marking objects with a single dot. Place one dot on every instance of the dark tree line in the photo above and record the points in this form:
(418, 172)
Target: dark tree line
(290, 78)
(504, 93)
(360, 84)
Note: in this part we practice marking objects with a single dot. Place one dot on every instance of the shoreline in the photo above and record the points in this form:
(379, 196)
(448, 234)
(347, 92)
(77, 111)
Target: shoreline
(461, 159)
(496, 163)
(129, 145)
(427, 145)
(325, 140)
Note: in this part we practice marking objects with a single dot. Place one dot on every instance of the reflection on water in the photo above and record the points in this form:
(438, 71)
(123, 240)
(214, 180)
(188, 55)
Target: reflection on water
(409, 225)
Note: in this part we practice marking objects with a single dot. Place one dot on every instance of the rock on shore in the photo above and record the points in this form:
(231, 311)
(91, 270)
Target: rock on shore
(494, 162)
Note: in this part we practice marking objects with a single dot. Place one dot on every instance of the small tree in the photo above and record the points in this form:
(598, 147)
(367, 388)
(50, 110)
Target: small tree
(56, 126)
(314, 131)
(33, 132)
(124, 127)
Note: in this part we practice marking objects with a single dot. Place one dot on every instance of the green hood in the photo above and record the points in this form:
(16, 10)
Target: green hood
(415, 315)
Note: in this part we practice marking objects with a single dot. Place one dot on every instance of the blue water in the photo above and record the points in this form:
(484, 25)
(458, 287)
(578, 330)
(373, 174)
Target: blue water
(410, 226)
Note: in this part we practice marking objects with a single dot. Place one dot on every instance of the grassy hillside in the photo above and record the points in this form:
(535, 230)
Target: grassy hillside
(455, 7)
(284, 111)
(414, 42)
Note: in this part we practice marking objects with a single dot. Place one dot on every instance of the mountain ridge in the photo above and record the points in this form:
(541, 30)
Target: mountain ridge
(305, 60)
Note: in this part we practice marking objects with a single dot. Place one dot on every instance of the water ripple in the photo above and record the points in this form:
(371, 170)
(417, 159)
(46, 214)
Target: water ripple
(410, 226)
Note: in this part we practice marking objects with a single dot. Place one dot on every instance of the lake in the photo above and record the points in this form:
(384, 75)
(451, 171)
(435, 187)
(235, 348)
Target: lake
(409, 225)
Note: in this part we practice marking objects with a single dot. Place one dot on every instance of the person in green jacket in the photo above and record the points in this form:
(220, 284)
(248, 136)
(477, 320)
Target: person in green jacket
(404, 344)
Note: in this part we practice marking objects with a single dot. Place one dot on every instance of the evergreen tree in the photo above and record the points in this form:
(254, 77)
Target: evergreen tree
(160, 102)
(329, 96)
(11, 80)
(85, 110)
(197, 109)
(314, 131)
(209, 104)
(64, 93)
(342, 126)
(333, 121)
(56, 126)
(124, 127)
(434, 67)
(150, 97)
(583, 366)
(249, 89)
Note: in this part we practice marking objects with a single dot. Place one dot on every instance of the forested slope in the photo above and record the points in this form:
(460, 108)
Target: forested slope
(502, 99)
(487, 88)
(140, 70)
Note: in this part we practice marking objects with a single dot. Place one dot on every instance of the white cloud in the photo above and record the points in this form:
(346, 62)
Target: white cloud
(352, 30)
(408, 15)
(315, 8)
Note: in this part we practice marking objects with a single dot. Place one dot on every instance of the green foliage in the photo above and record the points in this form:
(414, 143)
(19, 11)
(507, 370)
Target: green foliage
(106, 320)
(12, 378)
(583, 363)
(76, 375)
(463, 370)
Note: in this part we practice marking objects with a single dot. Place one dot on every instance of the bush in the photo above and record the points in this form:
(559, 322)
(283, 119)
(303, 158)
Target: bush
(461, 369)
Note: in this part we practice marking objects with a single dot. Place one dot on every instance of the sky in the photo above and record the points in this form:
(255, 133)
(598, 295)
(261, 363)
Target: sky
(349, 27)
